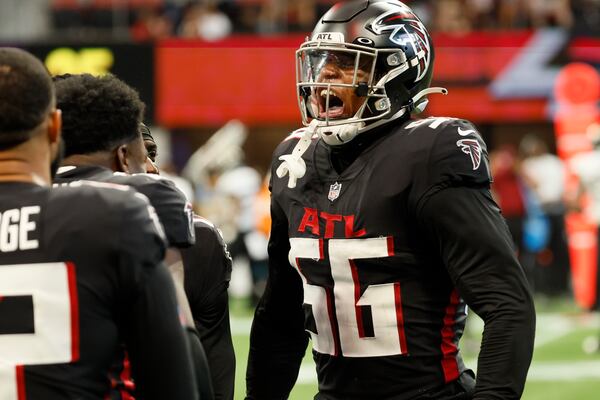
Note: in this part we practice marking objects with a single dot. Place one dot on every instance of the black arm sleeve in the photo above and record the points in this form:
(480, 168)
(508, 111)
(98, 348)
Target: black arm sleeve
(277, 340)
(160, 357)
(207, 274)
(473, 240)
(201, 368)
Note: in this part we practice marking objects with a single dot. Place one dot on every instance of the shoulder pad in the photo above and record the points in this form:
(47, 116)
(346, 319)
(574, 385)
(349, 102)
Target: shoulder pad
(97, 184)
(171, 205)
(198, 220)
(430, 123)
(457, 156)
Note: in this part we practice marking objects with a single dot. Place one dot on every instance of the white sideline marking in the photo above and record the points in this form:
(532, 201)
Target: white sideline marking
(550, 327)
(539, 372)
(564, 371)
(240, 326)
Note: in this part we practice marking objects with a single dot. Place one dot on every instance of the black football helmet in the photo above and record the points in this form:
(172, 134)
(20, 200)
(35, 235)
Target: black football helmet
(391, 54)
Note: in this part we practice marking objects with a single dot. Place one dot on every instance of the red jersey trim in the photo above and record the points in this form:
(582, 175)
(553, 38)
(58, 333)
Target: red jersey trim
(357, 308)
(20, 377)
(400, 318)
(448, 346)
(74, 300)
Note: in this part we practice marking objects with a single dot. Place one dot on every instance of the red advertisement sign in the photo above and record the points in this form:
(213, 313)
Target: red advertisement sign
(500, 76)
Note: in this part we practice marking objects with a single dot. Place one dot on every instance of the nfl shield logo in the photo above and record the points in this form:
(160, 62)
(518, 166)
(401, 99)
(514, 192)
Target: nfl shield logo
(334, 191)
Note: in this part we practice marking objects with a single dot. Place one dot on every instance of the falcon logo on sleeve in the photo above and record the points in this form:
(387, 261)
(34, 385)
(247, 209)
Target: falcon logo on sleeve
(472, 148)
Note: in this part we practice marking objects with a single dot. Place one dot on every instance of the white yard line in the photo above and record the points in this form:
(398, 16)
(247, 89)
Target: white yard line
(564, 371)
(539, 372)
(240, 326)
(550, 327)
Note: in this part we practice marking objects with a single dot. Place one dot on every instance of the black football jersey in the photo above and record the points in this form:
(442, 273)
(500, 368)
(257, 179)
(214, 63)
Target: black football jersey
(352, 260)
(173, 209)
(80, 273)
(207, 272)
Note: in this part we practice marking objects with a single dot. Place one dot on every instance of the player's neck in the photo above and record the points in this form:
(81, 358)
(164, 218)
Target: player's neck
(100, 159)
(343, 156)
(25, 163)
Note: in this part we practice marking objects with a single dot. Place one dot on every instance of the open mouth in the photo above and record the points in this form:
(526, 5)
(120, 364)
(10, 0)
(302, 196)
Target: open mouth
(336, 104)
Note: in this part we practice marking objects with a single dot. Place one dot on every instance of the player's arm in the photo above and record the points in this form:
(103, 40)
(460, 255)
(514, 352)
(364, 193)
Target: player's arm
(154, 338)
(200, 364)
(466, 227)
(277, 340)
(207, 275)
(475, 243)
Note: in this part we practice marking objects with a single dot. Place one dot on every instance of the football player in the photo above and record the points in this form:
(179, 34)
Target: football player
(207, 272)
(151, 150)
(68, 299)
(103, 142)
(384, 229)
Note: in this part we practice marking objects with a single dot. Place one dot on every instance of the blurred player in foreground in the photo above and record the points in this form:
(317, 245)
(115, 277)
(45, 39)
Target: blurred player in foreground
(67, 298)
(383, 230)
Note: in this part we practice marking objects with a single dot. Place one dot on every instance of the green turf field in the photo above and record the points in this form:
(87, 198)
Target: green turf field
(561, 370)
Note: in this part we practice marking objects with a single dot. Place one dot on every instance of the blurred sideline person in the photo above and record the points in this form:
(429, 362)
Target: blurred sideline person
(103, 142)
(207, 272)
(69, 299)
(383, 230)
(544, 176)
(586, 167)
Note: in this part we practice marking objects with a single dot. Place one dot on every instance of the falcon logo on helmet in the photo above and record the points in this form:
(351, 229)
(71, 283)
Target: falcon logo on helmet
(396, 21)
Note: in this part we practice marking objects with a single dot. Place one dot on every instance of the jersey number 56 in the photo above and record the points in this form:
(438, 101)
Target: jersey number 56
(383, 299)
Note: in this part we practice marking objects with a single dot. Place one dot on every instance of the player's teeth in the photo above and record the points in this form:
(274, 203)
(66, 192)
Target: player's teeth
(324, 93)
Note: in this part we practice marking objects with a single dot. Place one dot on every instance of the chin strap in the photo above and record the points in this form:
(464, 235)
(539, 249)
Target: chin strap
(419, 108)
(293, 164)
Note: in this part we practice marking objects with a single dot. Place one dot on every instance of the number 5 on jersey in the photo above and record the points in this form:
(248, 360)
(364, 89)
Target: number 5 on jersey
(384, 299)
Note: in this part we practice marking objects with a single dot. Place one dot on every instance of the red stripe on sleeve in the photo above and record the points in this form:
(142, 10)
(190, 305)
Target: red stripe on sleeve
(449, 349)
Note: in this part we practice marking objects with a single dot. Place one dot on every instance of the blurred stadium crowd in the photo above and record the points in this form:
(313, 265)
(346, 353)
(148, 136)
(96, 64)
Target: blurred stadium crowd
(143, 20)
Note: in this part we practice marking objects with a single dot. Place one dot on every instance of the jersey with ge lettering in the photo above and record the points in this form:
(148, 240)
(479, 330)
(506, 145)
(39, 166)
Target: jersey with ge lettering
(374, 262)
(80, 273)
(172, 207)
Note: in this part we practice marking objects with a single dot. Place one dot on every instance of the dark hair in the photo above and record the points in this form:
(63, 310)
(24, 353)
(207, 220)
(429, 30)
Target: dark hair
(26, 95)
(99, 113)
